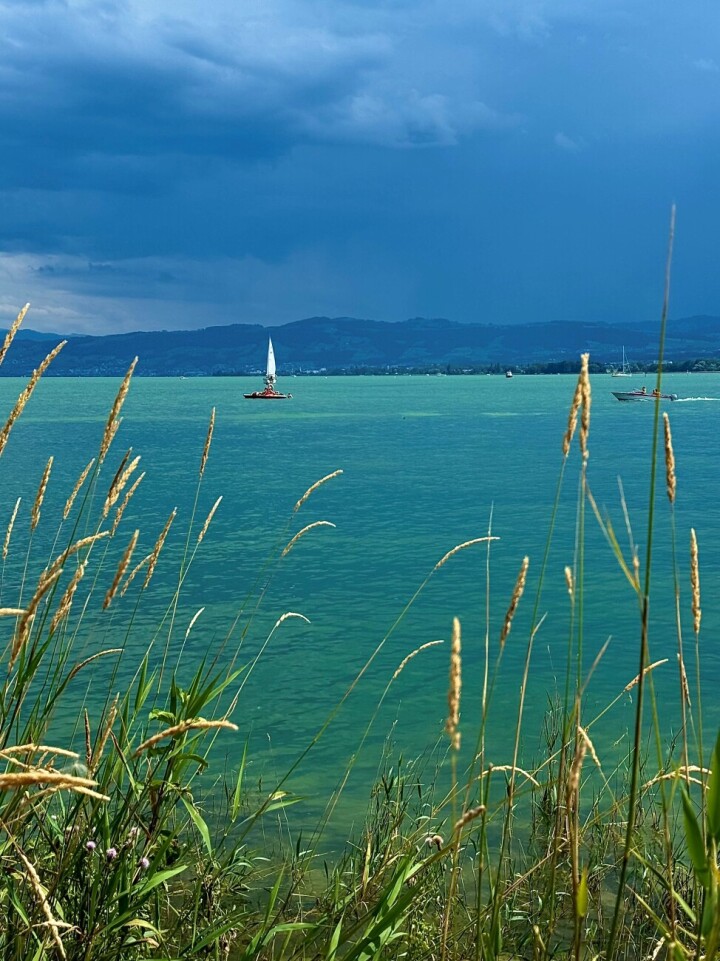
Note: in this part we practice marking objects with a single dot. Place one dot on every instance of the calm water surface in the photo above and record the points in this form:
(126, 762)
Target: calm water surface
(427, 462)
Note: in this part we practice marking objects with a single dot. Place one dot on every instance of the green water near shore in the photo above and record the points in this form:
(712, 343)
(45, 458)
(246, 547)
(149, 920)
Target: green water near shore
(426, 462)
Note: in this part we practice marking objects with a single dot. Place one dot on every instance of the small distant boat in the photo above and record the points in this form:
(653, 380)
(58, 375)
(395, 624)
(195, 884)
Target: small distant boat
(642, 394)
(508, 373)
(269, 392)
(624, 370)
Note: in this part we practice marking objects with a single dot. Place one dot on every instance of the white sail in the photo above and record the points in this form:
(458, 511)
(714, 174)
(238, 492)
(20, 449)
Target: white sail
(270, 374)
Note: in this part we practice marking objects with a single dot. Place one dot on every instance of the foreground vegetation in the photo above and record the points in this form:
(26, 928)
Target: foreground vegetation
(112, 851)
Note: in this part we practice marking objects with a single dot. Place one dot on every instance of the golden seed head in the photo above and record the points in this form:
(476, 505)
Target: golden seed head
(40, 496)
(122, 567)
(314, 487)
(695, 582)
(198, 723)
(462, 547)
(113, 421)
(569, 581)
(8, 533)
(514, 600)
(572, 418)
(585, 399)
(126, 500)
(411, 655)
(76, 489)
(208, 441)
(152, 563)
(67, 598)
(670, 481)
(291, 543)
(10, 336)
(455, 686)
(469, 816)
(26, 394)
(683, 680)
(119, 482)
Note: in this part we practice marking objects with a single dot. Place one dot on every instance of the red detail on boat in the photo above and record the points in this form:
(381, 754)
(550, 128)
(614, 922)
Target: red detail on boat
(267, 394)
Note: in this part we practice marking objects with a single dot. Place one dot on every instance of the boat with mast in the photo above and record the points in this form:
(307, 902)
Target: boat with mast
(624, 370)
(269, 392)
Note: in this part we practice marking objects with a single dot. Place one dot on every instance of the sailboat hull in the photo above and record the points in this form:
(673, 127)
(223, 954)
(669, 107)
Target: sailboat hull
(267, 395)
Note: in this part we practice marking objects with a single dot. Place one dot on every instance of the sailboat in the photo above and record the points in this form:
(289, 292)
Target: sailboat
(624, 370)
(269, 392)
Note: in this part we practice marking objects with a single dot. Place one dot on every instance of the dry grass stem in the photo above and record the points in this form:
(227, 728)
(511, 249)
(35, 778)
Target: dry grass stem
(311, 490)
(514, 600)
(455, 686)
(572, 418)
(650, 667)
(208, 441)
(76, 489)
(113, 421)
(41, 894)
(468, 816)
(684, 771)
(208, 520)
(155, 554)
(119, 485)
(31, 748)
(586, 400)
(126, 500)
(122, 567)
(289, 546)
(8, 532)
(12, 611)
(67, 598)
(695, 581)
(411, 655)
(26, 394)
(509, 767)
(461, 547)
(569, 581)
(40, 496)
(40, 775)
(88, 739)
(573, 784)
(683, 676)
(23, 629)
(10, 336)
(590, 747)
(670, 480)
(176, 730)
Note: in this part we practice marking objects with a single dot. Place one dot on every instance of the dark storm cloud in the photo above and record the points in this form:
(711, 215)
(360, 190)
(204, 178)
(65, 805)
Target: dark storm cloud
(264, 160)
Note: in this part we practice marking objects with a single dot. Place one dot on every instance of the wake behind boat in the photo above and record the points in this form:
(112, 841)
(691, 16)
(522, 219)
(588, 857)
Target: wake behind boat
(269, 392)
(641, 393)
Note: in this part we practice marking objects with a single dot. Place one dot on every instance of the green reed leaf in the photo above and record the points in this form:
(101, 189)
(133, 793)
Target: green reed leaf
(713, 794)
(237, 795)
(199, 823)
(694, 841)
(582, 894)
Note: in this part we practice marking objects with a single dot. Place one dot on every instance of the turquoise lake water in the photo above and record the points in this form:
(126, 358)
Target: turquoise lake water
(426, 461)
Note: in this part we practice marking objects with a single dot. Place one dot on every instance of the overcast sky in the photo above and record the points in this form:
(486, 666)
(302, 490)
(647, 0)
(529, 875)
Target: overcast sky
(172, 163)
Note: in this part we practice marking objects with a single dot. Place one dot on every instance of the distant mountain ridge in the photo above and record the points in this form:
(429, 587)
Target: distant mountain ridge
(351, 344)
